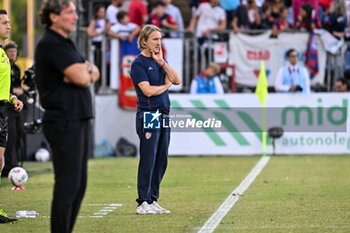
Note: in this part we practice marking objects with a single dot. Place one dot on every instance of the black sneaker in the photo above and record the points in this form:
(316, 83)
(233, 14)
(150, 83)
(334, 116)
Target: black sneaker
(5, 219)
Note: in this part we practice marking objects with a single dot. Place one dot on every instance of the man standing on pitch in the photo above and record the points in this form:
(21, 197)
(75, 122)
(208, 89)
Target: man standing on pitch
(152, 77)
(63, 79)
(5, 97)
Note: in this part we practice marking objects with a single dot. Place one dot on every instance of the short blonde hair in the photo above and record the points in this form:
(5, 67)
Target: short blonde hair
(144, 34)
(215, 67)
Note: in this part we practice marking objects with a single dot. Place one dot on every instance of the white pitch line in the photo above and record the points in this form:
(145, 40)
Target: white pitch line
(108, 208)
(111, 207)
(227, 205)
(116, 205)
(101, 213)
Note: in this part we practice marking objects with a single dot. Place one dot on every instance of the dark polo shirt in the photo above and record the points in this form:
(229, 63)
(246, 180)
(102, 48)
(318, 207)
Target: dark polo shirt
(61, 101)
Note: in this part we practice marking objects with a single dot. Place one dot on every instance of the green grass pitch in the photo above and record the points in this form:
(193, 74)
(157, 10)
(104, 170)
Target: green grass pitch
(292, 194)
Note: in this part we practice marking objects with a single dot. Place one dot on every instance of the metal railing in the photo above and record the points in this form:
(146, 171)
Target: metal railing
(197, 57)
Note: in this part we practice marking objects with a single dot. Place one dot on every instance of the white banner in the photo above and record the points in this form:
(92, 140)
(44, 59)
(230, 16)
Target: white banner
(315, 109)
(174, 55)
(246, 52)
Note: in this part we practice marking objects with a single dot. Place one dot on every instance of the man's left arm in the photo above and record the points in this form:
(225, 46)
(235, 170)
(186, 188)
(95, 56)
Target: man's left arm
(171, 73)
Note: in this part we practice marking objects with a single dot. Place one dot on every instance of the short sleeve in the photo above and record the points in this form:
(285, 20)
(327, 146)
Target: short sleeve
(222, 15)
(199, 9)
(132, 26)
(138, 73)
(171, 20)
(115, 28)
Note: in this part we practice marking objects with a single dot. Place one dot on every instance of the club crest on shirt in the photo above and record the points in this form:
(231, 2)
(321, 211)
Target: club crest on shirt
(148, 135)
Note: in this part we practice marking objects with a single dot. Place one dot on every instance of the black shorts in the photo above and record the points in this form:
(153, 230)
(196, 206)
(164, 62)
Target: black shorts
(3, 123)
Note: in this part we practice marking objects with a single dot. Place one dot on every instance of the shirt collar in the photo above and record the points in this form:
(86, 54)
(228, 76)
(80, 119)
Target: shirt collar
(291, 67)
(57, 35)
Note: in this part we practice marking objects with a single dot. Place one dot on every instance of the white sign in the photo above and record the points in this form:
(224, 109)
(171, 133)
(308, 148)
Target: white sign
(174, 56)
(220, 52)
(317, 110)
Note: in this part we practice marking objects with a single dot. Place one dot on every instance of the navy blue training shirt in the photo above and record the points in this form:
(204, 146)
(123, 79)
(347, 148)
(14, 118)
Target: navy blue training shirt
(147, 69)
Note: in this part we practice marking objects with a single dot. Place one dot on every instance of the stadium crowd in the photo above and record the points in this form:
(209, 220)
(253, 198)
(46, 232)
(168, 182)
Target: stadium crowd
(208, 16)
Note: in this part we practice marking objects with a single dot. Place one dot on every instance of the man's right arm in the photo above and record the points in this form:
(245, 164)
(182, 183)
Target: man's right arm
(194, 19)
(279, 86)
(81, 74)
(140, 78)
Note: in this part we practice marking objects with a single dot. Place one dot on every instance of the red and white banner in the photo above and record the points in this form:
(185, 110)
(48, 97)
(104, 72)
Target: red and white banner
(127, 93)
(247, 51)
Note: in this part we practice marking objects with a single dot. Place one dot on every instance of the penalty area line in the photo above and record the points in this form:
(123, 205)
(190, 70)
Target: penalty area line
(231, 200)
(105, 210)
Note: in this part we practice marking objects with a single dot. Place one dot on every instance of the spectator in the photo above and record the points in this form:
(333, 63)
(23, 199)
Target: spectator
(138, 12)
(292, 77)
(247, 17)
(229, 6)
(290, 18)
(335, 19)
(162, 20)
(281, 23)
(96, 32)
(112, 11)
(276, 7)
(267, 20)
(341, 85)
(208, 17)
(175, 13)
(15, 137)
(306, 19)
(124, 30)
(325, 4)
(98, 26)
(298, 4)
(207, 81)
